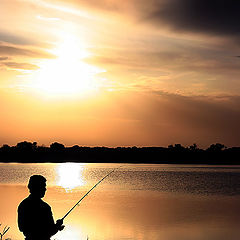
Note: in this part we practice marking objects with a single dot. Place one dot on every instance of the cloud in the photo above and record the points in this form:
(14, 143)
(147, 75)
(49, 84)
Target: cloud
(22, 66)
(108, 5)
(19, 51)
(15, 39)
(3, 58)
(190, 59)
(137, 59)
(215, 17)
(48, 19)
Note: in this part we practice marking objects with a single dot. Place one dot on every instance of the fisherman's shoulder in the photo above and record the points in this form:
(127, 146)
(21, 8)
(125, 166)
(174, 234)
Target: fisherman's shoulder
(31, 201)
(25, 204)
(45, 205)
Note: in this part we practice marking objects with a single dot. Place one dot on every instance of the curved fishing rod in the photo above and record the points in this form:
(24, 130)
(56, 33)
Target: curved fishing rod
(88, 193)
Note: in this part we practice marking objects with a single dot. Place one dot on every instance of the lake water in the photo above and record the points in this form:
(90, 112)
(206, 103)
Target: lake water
(141, 202)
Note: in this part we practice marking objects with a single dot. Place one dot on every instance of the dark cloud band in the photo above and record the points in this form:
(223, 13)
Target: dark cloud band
(217, 17)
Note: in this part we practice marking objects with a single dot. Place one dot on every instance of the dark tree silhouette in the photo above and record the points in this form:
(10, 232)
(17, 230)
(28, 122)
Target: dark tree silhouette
(30, 152)
(216, 147)
(193, 147)
(57, 146)
(26, 146)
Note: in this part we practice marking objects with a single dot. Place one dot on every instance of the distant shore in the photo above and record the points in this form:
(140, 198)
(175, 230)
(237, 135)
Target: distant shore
(28, 152)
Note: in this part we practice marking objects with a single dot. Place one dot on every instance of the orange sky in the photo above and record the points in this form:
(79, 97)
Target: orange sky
(119, 73)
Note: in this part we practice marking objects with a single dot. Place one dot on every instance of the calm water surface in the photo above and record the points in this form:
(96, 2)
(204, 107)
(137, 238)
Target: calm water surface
(155, 202)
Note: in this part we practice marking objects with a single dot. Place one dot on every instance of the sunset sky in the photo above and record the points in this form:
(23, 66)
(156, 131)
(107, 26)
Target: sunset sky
(120, 73)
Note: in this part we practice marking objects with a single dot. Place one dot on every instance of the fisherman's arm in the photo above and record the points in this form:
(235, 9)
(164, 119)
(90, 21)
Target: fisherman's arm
(22, 218)
(54, 227)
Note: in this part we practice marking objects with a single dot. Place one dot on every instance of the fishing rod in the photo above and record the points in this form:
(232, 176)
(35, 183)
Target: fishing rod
(88, 193)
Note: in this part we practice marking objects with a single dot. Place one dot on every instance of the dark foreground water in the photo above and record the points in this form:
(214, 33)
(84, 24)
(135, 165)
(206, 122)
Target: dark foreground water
(152, 202)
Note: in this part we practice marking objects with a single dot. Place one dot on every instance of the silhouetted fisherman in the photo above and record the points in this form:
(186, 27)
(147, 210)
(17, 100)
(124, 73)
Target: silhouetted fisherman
(35, 217)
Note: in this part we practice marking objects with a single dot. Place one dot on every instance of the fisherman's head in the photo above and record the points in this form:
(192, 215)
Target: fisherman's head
(37, 186)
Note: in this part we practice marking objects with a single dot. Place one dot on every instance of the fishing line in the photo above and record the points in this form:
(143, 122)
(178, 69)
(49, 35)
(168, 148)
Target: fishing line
(88, 192)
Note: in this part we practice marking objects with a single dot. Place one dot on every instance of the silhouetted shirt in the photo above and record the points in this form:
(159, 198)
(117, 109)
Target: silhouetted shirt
(35, 219)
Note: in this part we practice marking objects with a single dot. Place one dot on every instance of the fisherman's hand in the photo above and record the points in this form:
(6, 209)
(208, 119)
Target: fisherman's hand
(59, 225)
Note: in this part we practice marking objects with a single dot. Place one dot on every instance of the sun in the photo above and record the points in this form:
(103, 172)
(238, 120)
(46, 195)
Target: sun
(68, 73)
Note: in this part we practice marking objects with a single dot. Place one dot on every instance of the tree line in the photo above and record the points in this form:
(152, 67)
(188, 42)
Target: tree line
(173, 154)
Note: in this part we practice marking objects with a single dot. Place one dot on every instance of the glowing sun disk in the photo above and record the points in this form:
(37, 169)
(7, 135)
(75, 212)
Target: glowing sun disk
(68, 73)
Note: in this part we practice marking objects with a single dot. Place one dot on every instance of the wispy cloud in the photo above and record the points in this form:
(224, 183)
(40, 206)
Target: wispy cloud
(21, 66)
(3, 58)
(10, 38)
(20, 51)
(47, 18)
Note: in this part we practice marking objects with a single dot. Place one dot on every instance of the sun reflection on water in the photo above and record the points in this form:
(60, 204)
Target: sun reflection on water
(70, 233)
(70, 175)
